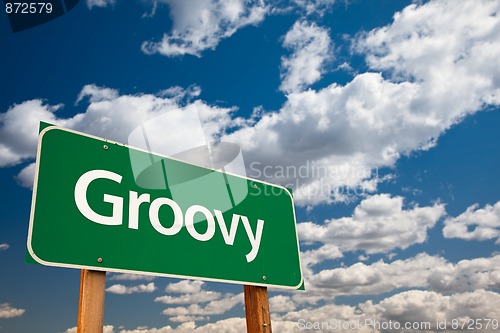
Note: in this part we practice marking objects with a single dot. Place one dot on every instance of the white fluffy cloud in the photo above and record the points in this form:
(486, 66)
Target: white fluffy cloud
(433, 65)
(122, 289)
(466, 275)
(418, 309)
(442, 60)
(379, 224)
(281, 303)
(311, 50)
(7, 311)
(325, 252)
(442, 41)
(26, 176)
(441, 57)
(201, 296)
(422, 271)
(202, 24)
(327, 144)
(475, 224)
(310, 258)
(377, 278)
(104, 117)
(4, 246)
(191, 292)
(416, 306)
(96, 94)
(229, 325)
(215, 307)
(185, 287)
(19, 130)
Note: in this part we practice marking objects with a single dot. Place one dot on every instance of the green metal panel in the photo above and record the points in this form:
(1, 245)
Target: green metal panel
(60, 234)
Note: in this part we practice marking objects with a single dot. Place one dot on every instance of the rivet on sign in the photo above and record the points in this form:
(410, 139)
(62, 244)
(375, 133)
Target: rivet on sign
(264, 278)
(99, 259)
(105, 147)
(254, 185)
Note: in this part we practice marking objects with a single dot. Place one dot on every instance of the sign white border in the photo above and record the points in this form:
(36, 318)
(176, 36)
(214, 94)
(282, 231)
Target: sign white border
(115, 270)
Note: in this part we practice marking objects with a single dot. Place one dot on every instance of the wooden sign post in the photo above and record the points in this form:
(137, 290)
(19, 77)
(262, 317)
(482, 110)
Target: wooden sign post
(273, 261)
(91, 305)
(257, 309)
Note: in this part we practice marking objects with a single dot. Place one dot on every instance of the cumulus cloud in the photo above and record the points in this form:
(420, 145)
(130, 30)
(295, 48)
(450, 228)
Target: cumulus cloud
(310, 258)
(475, 224)
(191, 292)
(436, 63)
(466, 275)
(379, 224)
(201, 25)
(325, 252)
(103, 117)
(122, 289)
(215, 307)
(19, 129)
(417, 306)
(437, 41)
(281, 303)
(7, 311)
(377, 278)
(311, 50)
(96, 93)
(418, 309)
(185, 287)
(421, 271)
(229, 325)
(165, 329)
(4, 246)
(26, 176)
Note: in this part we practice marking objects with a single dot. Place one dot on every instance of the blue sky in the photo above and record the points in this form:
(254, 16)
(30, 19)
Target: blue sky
(390, 107)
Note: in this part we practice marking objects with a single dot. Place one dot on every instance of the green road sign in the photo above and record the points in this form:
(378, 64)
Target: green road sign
(103, 205)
